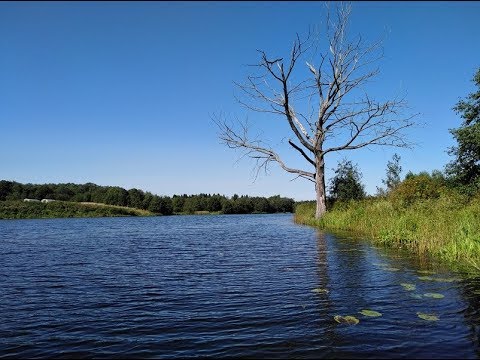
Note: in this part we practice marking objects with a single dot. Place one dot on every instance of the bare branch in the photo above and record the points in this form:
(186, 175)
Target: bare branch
(300, 150)
(239, 139)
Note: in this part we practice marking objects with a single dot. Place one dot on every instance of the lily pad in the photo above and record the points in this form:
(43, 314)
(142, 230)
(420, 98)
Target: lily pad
(320, 291)
(350, 320)
(370, 313)
(426, 272)
(427, 317)
(391, 269)
(425, 278)
(447, 280)
(408, 287)
(416, 296)
(434, 295)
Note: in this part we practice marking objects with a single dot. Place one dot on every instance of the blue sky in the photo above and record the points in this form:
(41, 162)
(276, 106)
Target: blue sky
(123, 93)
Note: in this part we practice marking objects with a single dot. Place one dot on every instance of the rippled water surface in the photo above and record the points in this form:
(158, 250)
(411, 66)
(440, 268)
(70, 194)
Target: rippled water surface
(222, 286)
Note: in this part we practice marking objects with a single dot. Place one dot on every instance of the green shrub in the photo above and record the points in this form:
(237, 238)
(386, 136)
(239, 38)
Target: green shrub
(417, 187)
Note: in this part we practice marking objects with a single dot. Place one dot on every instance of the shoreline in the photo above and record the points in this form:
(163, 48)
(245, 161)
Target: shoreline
(439, 228)
(18, 210)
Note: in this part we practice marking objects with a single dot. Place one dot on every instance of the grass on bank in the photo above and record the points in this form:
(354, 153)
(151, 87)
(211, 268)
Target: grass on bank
(64, 209)
(447, 226)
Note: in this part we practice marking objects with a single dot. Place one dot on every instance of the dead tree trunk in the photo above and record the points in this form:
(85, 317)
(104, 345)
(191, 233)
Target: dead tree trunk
(320, 187)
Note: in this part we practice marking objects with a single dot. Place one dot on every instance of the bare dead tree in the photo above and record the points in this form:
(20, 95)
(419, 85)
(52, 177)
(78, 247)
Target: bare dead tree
(341, 115)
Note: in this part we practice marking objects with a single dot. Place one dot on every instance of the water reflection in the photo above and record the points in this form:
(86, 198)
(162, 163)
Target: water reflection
(365, 277)
(470, 289)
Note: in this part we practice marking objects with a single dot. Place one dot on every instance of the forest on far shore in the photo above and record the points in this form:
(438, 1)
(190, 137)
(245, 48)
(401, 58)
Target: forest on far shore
(135, 198)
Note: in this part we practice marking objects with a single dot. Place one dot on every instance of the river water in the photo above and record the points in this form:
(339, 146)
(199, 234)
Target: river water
(223, 286)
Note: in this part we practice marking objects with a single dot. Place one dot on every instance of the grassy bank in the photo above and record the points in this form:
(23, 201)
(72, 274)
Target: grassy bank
(447, 227)
(64, 209)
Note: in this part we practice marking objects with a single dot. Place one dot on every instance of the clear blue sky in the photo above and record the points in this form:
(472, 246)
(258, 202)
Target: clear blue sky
(123, 93)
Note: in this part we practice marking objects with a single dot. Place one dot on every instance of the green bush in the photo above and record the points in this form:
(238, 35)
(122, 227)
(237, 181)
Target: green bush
(417, 187)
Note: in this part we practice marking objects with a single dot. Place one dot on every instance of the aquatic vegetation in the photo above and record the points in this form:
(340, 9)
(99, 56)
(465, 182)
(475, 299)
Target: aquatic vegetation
(416, 296)
(429, 278)
(447, 280)
(426, 272)
(427, 317)
(391, 269)
(349, 320)
(426, 278)
(434, 295)
(408, 287)
(370, 313)
(386, 267)
(320, 291)
(446, 227)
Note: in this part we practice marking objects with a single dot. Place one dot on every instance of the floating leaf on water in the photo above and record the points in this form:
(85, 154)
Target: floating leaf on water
(370, 313)
(350, 320)
(448, 280)
(434, 295)
(320, 291)
(416, 296)
(426, 272)
(425, 278)
(408, 287)
(428, 317)
(391, 269)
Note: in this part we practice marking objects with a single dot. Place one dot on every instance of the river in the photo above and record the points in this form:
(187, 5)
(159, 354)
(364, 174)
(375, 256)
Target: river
(223, 286)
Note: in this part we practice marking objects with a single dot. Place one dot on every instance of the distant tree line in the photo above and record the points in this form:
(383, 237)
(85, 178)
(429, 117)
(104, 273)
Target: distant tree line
(135, 198)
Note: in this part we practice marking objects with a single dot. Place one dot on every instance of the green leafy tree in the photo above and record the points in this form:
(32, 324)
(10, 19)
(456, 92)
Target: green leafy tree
(346, 184)
(261, 205)
(62, 192)
(243, 205)
(147, 200)
(161, 205)
(214, 203)
(166, 207)
(464, 170)
(191, 205)
(135, 198)
(116, 196)
(228, 207)
(44, 192)
(418, 187)
(280, 204)
(178, 203)
(393, 173)
(393, 176)
(5, 189)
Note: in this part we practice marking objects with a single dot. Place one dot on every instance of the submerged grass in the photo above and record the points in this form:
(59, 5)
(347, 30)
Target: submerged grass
(447, 227)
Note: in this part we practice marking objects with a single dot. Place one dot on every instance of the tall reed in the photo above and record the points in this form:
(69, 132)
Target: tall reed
(447, 227)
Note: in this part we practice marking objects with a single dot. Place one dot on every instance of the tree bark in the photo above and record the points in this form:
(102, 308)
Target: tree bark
(320, 187)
